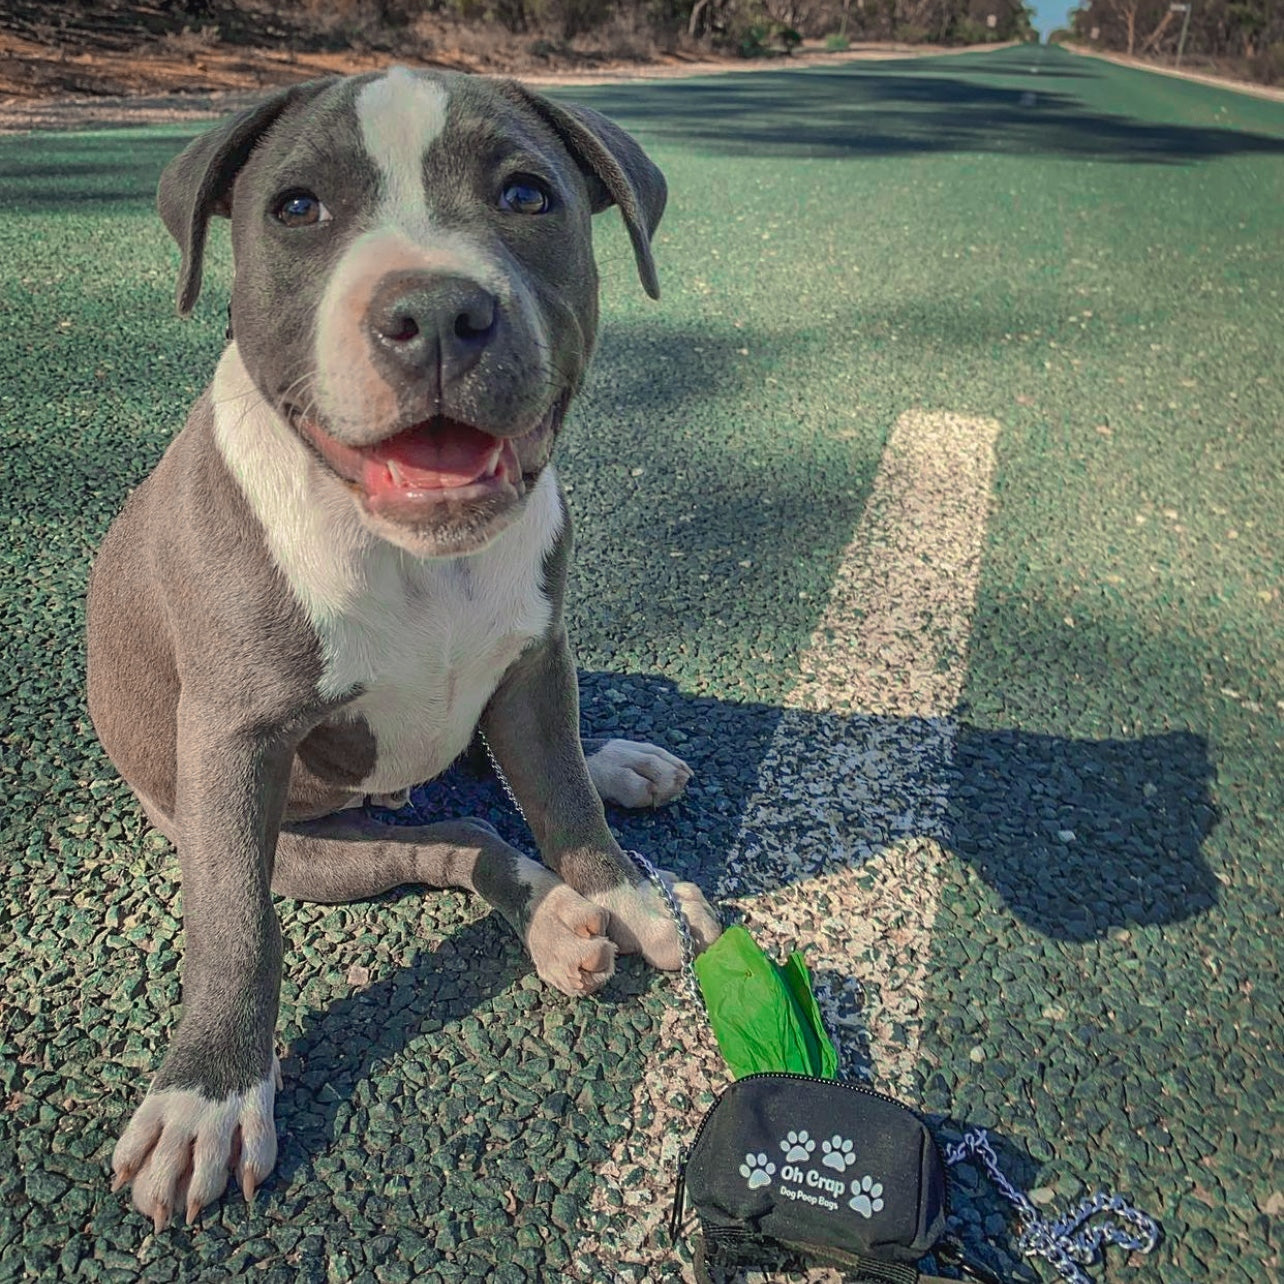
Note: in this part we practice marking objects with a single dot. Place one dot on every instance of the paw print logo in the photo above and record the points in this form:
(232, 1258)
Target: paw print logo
(797, 1147)
(868, 1198)
(757, 1171)
(838, 1154)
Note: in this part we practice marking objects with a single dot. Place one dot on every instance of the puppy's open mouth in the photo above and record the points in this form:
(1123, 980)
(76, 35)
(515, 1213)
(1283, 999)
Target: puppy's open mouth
(408, 476)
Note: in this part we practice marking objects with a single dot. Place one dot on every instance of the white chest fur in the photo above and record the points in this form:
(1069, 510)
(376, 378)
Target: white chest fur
(424, 641)
(427, 642)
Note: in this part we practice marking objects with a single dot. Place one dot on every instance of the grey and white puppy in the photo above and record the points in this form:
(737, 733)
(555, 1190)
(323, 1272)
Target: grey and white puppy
(354, 556)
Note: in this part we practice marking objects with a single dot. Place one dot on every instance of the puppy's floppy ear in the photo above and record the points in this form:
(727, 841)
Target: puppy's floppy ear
(618, 171)
(197, 183)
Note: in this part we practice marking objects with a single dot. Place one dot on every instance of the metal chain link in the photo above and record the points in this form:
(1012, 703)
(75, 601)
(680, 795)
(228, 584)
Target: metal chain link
(1069, 1243)
(499, 775)
(657, 879)
(689, 977)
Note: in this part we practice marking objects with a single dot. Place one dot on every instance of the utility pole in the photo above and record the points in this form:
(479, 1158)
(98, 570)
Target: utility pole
(1183, 9)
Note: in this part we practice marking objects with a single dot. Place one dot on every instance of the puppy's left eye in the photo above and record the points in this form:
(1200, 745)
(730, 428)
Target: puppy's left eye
(525, 195)
(300, 209)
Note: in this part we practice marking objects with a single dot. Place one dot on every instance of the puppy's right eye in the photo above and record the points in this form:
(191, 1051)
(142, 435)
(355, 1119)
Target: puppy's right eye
(300, 209)
(525, 195)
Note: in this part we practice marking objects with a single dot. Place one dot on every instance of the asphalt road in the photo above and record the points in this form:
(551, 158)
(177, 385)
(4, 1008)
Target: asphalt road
(934, 516)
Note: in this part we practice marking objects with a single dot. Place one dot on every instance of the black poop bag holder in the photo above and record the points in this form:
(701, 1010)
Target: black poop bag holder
(790, 1160)
(786, 1163)
(805, 1164)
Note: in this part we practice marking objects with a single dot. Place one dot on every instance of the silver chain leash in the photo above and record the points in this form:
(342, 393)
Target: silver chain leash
(656, 878)
(684, 928)
(499, 775)
(1068, 1243)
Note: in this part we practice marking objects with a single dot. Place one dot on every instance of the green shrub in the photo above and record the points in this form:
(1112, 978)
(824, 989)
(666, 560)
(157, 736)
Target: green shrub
(967, 31)
(789, 39)
(575, 17)
(753, 40)
(837, 43)
(910, 33)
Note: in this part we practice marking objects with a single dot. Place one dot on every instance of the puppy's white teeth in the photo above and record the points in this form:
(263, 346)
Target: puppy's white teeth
(492, 465)
(394, 471)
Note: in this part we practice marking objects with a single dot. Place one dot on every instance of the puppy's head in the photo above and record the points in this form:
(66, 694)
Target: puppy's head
(414, 289)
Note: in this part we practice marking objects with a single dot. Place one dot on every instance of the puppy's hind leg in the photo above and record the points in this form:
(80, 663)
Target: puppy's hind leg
(349, 856)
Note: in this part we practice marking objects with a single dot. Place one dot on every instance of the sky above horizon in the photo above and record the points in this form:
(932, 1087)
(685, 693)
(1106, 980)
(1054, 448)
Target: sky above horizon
(1051, 14)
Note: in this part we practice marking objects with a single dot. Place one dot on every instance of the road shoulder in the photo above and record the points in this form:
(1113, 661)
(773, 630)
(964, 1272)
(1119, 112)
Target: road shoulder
(1199, 77)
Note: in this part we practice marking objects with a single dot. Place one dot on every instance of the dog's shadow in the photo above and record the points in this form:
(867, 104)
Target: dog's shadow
(343, 1044)
(1076, 837)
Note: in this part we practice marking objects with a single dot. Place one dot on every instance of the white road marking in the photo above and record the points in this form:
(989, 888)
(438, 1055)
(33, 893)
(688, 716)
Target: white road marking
(857, 771)
(841, 841)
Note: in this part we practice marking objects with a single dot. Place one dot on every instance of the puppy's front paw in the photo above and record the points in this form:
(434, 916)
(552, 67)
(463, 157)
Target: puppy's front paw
(566, 937)
(641, 922)
(637, 775)
(180, 1146)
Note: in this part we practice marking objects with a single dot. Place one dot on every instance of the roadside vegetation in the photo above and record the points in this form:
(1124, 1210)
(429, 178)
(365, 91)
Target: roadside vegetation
(1238, 37)
(106, 46)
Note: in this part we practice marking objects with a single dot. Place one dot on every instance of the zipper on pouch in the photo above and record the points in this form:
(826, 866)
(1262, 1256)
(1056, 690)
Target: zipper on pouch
(679, 1194)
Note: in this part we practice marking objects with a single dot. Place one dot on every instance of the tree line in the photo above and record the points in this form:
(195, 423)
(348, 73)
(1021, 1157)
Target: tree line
(749, 27)
(1246, 33)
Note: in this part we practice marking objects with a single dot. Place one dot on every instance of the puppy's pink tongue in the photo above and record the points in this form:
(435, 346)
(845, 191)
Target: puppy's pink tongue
(435, 455)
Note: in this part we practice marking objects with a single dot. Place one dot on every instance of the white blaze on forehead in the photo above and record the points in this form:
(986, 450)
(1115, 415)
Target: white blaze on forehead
(400, 116)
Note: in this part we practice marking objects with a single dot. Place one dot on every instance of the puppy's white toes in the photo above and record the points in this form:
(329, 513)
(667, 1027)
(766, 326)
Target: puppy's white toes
(642, 923)
(700, 916)
(179, 1146)
(567, 940)
(632, 774)
(136, 1142)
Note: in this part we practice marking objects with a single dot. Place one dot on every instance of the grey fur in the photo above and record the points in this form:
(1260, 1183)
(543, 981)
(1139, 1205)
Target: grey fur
(212, 677)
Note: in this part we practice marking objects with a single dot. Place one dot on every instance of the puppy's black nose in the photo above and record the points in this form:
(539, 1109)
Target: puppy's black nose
(433, 326)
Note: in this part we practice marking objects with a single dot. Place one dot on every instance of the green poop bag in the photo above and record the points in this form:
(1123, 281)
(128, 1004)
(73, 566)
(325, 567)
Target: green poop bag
(763, 1014)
